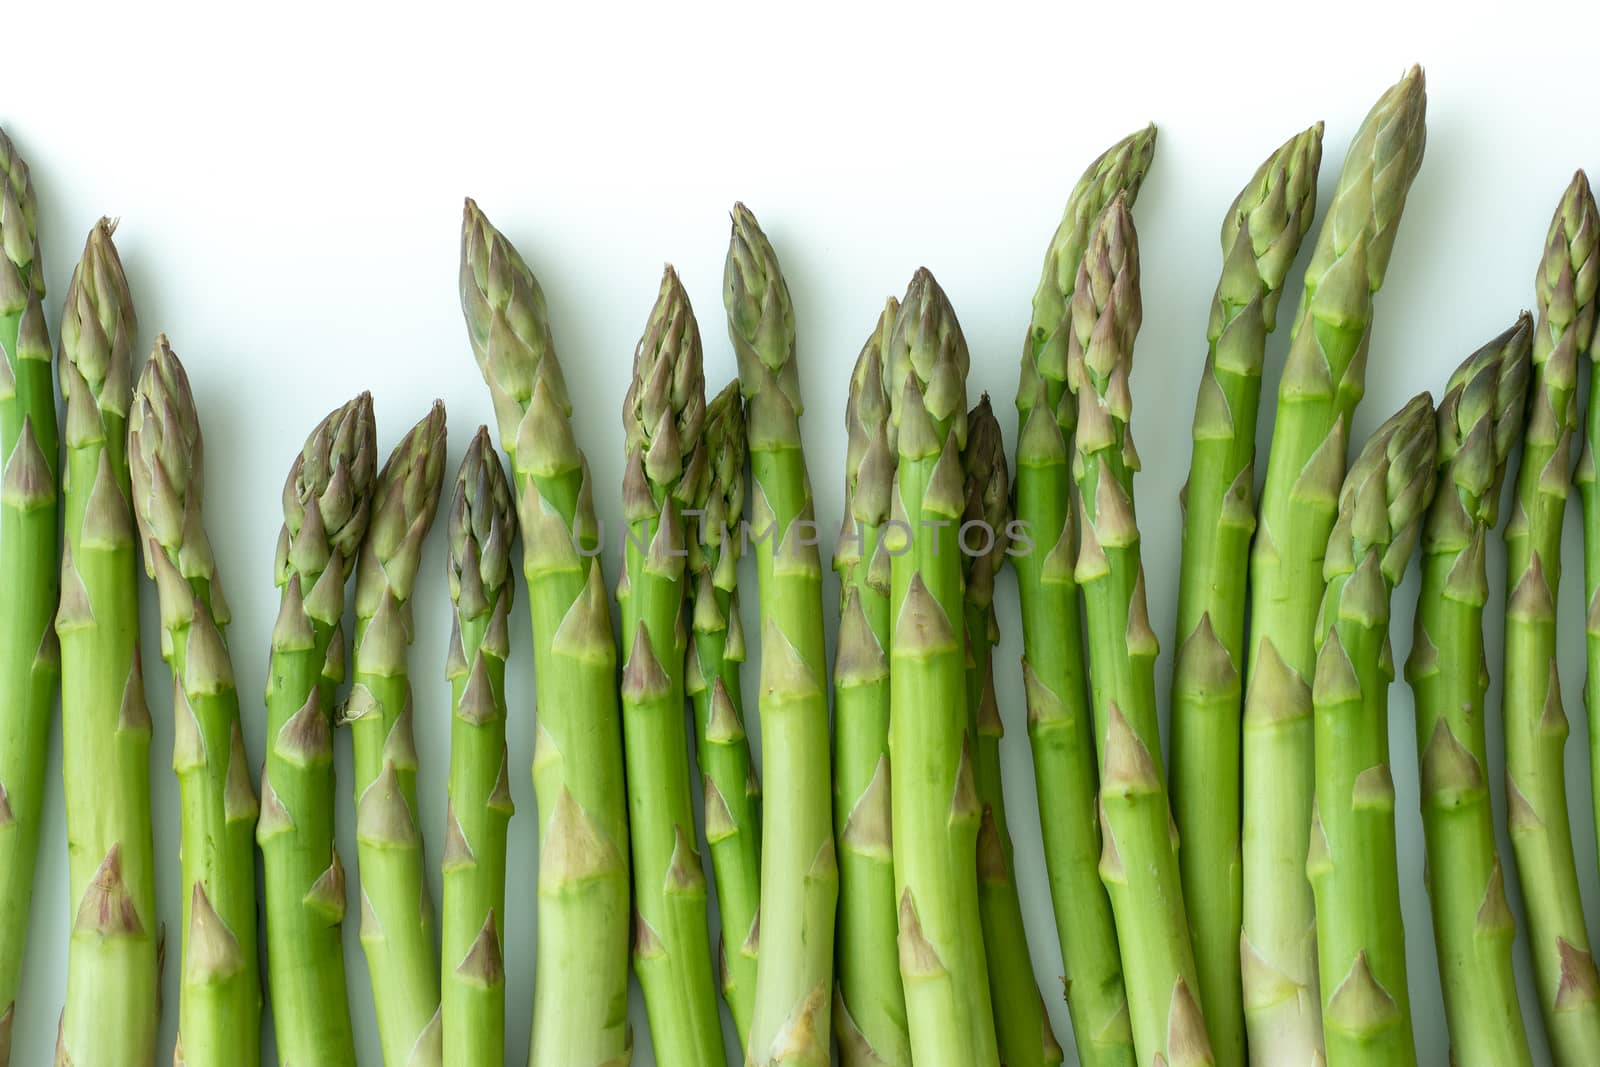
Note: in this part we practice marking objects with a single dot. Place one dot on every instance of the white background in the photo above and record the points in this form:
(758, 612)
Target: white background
(289, 180)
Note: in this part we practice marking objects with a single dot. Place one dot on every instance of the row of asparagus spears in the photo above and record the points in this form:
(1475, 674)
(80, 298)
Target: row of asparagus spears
(873, 902)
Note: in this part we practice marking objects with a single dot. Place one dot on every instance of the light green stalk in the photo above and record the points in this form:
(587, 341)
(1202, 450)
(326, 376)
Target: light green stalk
(934, 800)
(397, 928)
(1323, 379)
(716, 650)
(219, 1008)
(1022, 1024)
(482, 526)
(664, 415)
(869, 1010)
(799, 869)
(1059, 720)
(1479, 420)
(580, 998)
(30, 571)
(1535, 724)
(1261, 235)
(1139, 856)
(1352, 865)
(326, 507)
(113, 1005)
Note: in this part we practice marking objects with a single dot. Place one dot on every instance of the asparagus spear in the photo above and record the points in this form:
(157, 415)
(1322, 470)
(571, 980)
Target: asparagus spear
(1322, 382)
(1479, 420)
(869, 1011)
(1352, 866)
(30, 657)
(482, 525)
(112, 1010)
(1535, 724)
(1138, 860)
(1059, 726)
(934, 801)
(219, 1010)
(664, 416)
(1022, 1025)
(396, 905)
(326, 507)
(580, 1007)
(799, 870)
(1261, 234)
(716, 649)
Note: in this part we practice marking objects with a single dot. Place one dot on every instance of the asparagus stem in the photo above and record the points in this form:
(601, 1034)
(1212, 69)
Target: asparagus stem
(30, 656)
(397, 933)
(933, 796)
(482, 526)
(664, 415)
(580, 1005)
(1352, 865)
(1022, 1024)
(1479, 420)
(799, 870)
(1059, 720)
(1261, 235)
(219, 1009)
(1322, 382)
(869, 1011)
(112, 1010)
(716, 650)
(1535, 724)
(326, 508)
(1138, 859)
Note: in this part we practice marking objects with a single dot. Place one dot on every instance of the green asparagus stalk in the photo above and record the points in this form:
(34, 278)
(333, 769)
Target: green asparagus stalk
(1589, 492)
(664, 416)
(1323, 379)
(326, 508)
(113, 985)
(934, 800)
(869, 1010)
(1139, 858)
(1479, 420)
(1022, 1024)
(1261, 235)
(30, 657)
(396, 906)
(1059, 720)
(219, 1009)
(1352, 865)
(716, 650)
(580, 1004)
(799, 869)
(482, 525)
(1535, 724)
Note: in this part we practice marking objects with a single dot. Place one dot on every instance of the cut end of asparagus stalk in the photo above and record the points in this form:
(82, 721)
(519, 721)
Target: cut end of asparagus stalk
(1479, 420)
(481, 528)
(1385, 495)
(664, 410)
(988, 509)
(97, 331)
(166, 459)
(327, 496)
